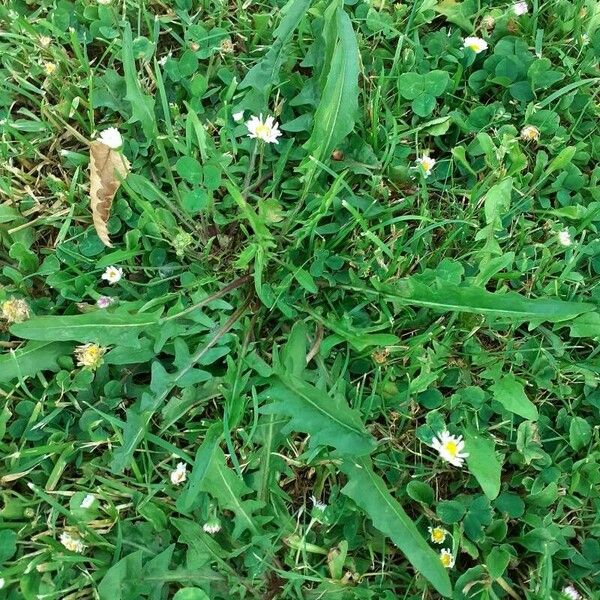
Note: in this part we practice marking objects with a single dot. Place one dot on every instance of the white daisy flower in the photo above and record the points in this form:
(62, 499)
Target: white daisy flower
(238, 116)
(571, 593)
(450, 448)
(438, 534)
(476, 44)
(111, 138)
(520, 8)
(179, 475)
(266, 131)
(112, 275)
(89, 355)
(530, 133)
(72, 543)
(446, 558)
(87, 501)
(426, 163)
(213, 526)
(317, 504)
(564, 238)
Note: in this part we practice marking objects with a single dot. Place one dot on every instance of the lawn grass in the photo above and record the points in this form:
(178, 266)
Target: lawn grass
(241, 383)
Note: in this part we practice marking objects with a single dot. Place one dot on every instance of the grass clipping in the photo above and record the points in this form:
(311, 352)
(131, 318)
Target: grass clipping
(108, 168)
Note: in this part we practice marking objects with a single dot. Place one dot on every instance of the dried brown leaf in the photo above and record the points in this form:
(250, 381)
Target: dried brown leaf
(107, 168)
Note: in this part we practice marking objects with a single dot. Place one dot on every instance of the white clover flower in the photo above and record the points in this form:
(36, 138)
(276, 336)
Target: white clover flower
(446, 558)
(89, 355)
(72, 543)
(488, 22)
(318, 505)
(14, 310)
(49, 68)
(520, 8)
(585, 39)
(426, 164)
(45, 41)
(438, 534)
(571, 593)
(112, 275)
(179, 475)
(266, 131)
(238, 116)
(213, 526)
(104, 301)
(530, 133)
(564, 238)
(87, 501)
(111, 137)
(475, 43)
(450, 448)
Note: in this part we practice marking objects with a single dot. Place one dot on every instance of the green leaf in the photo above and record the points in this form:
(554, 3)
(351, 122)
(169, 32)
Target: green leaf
(497, 561)
(511, 394)
(335, 115)
(142, 105)
(369, 492)
(100, 326)
(420, 491)
(191, 594)
(8, 544)
(267, 71)
(204, 457)
(228, 489)
(329, 420)
(510, 306)
(483, 462)
(457, 12)
(450, 511)
(580, 433)
(31, 359)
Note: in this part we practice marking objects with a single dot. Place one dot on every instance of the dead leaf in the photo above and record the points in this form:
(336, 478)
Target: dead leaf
(107, 168)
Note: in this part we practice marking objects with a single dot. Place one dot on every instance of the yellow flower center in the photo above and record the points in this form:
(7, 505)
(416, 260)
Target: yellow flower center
(263, 131)
(438, 535)
(446, 560)
(451, 447)
(475, 46)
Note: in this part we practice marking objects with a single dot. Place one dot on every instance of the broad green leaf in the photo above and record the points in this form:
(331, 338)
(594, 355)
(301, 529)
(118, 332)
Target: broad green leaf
(120, 575)
(101, 327)
(483, 462)
(370, 492)
(458, 13)
(510, 305)
(203, 459)
(191, 594)
(497, 561)
(142, 105)
(31, 359)
(335, 115)
(511, 394)
(267, 71)
(497, 202)
(229, 489)
(580, 433)
(328, 420)
(202, 547)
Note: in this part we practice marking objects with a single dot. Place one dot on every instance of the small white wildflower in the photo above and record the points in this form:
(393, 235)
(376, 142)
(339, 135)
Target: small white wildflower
(111, 138)
(450, 448)
(571, 593)
(446, 558)
(564, 238)
(72, 543)
(585, 39)
(438, 534)
(520, 8)
(14, 310)
(317, 504)
(45, 41)
(2, 582)
(213, 526)
(266, 131)
(475, 44)
(49, 68)
(238, 116)
(112, 275)
(179, 475)
(488, 22)
(426, 163)
(87, 501)
(530, 133)
(104, 1)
